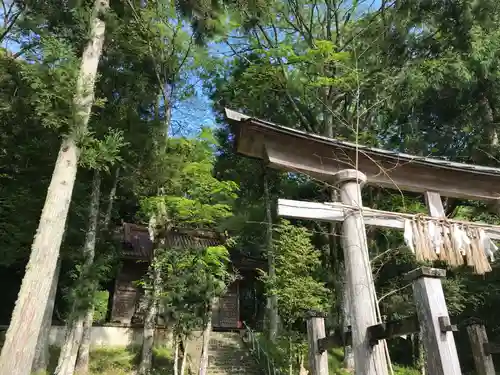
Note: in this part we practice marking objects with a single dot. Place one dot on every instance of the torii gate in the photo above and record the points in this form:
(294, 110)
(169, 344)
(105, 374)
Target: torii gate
(350, 166)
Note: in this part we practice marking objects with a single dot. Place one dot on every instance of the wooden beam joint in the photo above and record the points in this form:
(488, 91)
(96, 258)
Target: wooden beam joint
(491, 348)
(384, 331)
(393, 328)
(428, 272)
(336, 339)
(445, 324)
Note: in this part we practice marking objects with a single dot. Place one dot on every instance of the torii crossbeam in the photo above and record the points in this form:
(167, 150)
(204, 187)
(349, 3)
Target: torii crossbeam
(336, 211)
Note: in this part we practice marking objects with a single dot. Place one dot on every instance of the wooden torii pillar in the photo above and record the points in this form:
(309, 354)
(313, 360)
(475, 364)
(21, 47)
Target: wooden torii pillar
(369, 359)
(366, 331)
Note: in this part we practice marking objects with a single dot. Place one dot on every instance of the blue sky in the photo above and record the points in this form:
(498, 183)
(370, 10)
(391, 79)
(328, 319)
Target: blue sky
(189, 115)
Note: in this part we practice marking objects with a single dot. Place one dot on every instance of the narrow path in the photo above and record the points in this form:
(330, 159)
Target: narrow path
(228, 355)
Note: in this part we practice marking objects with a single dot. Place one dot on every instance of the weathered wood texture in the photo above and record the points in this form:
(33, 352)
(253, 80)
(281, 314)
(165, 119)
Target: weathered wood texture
(346, 327)
(336, 211)
(138, 245)
(127, 293)
(491, 348)
(318, 360)
(482, 360)
(368, 359)
(435, 209)
(434, 204)
(440, 350)
(42, 356)
(321, 157)
(226, 312)
(395, 328)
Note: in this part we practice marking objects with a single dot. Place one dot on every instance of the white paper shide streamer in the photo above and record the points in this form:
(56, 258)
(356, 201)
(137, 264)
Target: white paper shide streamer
(455, 244)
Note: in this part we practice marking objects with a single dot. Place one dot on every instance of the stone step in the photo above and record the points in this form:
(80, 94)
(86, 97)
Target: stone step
(230, 364)
(223, 364)
(228, 355)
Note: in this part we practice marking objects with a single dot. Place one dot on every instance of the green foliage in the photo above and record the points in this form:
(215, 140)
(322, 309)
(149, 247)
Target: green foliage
(123, 361)
(335, 360)
(298, 289)
(405, 371)
(192, 195)
(101, 154)
(192, 279)
(53, 81)
(82, 291)
(118, 360)
(28, 151)
(100, 306)
(296, 262)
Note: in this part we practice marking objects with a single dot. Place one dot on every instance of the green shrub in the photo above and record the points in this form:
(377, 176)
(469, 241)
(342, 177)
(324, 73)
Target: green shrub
(335, 359)
(341, 371)
(163, 360)
(101, 306)
(113, 361)
(405, 371)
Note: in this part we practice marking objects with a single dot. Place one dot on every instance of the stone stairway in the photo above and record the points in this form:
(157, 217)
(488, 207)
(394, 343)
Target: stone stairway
(228, 355)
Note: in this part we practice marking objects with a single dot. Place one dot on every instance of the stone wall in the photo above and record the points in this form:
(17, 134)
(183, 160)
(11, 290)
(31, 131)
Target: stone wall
(113, 335)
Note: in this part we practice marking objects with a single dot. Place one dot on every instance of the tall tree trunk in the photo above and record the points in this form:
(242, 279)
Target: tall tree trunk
(42, 357)
(148, 335)
(42, 348)
(18, 351)
(111, 201)
(206, 340)
(272, 301)
(69, 350)
(184, 357)
(83, 357)
(176, 355)
(82, 361)
(150, 319)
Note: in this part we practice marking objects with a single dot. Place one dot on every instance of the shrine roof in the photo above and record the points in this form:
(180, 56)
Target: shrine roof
(140, 245)
(321, 157)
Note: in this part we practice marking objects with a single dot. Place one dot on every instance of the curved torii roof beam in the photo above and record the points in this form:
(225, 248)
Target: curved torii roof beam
(321, 157)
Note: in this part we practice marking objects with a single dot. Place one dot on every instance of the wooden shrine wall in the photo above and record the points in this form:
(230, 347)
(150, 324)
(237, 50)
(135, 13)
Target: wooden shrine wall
(126, 292)
(226, 313)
